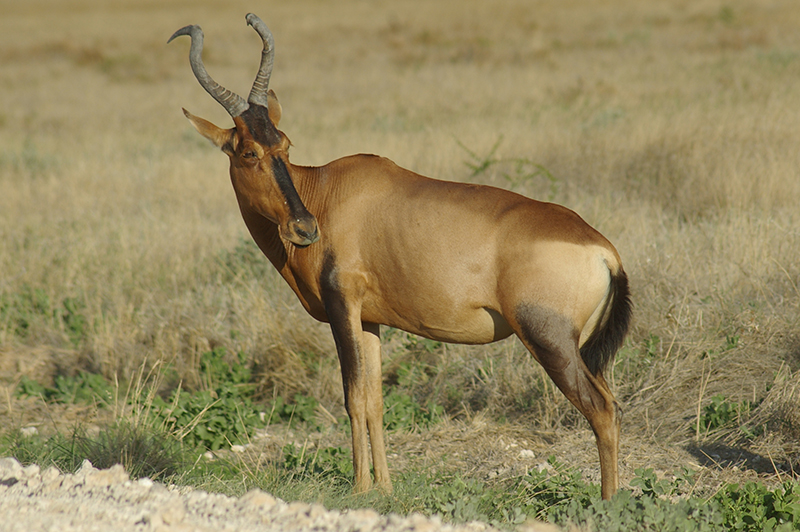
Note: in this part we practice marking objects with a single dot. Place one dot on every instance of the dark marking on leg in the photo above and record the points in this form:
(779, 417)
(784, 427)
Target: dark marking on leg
(553, 341)
(549, 334)
(358, 347)
(338, 316)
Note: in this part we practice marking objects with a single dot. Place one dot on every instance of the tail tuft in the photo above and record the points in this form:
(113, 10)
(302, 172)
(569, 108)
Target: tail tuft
(604, 342)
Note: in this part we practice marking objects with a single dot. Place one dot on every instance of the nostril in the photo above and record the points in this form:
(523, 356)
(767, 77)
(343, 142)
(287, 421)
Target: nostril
(306, 231)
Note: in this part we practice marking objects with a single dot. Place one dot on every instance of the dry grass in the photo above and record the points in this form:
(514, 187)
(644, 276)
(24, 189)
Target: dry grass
(671, 127)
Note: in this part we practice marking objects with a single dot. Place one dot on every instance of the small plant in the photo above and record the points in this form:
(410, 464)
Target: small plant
(410, 374)
(218, 416)
(418, 343)
(83, 388)
(402, 412)
(651, 486)
(731, 342)
(303, 410)
(652, 345)
(215, 371)
(72, 317)
(754, 507)
(462, 500)
(515, 170)
(720, 413)
(19, 311)
(207, 419)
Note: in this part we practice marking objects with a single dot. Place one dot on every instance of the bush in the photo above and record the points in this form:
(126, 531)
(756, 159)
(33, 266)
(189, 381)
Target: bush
(85, 387)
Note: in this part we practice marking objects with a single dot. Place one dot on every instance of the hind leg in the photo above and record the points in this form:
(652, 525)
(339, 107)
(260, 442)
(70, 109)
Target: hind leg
(552, 339)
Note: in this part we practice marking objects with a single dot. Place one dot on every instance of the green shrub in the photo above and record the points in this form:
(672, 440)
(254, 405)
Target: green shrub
(720, 413)
(754, 507)
(403, 412)
(71, 315)
(19, 311)
(222, 414)
(626, 512)
(83, 388)
(303, 410)
(216, 371)
(208, 419)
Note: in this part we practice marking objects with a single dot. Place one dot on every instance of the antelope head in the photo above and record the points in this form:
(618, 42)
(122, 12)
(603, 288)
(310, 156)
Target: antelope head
(258, 151)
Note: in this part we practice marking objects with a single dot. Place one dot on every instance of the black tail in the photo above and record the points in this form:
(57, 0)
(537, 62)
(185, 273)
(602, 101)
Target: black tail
(606, 339)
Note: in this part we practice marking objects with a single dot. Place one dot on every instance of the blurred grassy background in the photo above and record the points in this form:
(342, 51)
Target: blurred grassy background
(672, 127)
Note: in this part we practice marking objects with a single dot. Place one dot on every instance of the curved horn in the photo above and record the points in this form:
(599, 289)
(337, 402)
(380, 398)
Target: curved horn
(258, 94)
(232, 102)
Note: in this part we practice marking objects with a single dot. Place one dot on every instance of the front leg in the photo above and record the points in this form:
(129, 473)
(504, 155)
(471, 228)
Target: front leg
(359, 349)
(371, 346)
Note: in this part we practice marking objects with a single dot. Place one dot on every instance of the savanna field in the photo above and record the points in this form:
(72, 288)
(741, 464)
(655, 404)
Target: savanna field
(139, 324)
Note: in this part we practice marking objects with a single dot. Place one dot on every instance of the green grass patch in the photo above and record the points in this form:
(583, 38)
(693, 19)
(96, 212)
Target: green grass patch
(144, 450)
(30, 307)
(244, 261)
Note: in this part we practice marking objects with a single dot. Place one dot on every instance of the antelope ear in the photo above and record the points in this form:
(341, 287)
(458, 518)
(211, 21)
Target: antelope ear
(224, 139)
(273, 108)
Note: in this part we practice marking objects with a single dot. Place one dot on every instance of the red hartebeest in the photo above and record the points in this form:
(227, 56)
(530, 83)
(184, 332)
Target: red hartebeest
(363, 243)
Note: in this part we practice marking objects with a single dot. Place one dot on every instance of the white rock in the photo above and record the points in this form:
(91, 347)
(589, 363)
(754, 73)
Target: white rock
(173, 513)
(86, 468)
(257, 499)
(51, 474)
(10, 468)
(107, 477)
(31, 471)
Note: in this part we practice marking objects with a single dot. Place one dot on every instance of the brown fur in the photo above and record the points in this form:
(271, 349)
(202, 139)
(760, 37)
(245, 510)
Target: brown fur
(363, 243)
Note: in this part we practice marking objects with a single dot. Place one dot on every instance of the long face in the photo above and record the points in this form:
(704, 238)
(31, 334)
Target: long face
(257, 150)
(259, 169)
